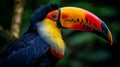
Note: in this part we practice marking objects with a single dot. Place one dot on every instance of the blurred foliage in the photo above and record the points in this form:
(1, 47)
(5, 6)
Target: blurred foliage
(83, 49)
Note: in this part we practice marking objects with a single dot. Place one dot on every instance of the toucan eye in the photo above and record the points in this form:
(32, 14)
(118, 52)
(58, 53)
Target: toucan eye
(53, 16)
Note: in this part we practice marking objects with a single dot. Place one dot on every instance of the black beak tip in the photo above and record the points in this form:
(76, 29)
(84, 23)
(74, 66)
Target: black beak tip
(104, 33)
(107, 33)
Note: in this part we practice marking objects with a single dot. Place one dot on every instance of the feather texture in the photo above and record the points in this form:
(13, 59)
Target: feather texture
(28, 51)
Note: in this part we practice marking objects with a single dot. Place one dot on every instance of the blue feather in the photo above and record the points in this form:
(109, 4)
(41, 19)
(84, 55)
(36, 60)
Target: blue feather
(27, 48)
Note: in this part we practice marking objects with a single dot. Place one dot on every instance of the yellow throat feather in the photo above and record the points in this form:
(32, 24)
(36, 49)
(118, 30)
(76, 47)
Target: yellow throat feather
(49, 31)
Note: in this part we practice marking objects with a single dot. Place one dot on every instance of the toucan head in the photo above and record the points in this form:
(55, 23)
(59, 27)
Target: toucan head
(79, 19)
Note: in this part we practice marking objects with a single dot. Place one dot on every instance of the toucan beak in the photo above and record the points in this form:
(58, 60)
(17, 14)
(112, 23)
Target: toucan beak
(80, 19)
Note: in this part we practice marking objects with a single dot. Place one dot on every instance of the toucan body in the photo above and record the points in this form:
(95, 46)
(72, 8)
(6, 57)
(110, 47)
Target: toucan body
(42, 45)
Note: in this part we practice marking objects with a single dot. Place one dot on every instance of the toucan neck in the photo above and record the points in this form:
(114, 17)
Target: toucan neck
(52, 35)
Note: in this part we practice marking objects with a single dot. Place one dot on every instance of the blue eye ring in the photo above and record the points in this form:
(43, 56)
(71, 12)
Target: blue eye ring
(53, 16)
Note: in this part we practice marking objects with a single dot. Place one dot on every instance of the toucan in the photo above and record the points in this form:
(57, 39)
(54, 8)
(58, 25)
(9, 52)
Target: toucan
(42, 44)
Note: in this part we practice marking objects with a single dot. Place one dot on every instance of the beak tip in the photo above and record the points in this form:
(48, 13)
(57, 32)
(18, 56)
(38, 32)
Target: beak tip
(110, 38)
(107, 33)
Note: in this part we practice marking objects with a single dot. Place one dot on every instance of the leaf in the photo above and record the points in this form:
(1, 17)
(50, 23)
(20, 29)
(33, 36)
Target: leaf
(106, 11)
(94, 56)
(99, 55)
(80, 38)
(55, 1)
(75, 63)
(27, 14)
(62, 62)
(84, 5)
(66, 32)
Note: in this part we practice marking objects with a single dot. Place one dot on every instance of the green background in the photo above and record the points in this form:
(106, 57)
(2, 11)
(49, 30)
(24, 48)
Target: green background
(83, 49)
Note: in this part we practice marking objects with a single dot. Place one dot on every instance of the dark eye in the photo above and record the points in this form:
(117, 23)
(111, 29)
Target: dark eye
(53, 16)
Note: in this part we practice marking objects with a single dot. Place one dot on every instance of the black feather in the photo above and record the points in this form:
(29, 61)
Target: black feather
(40, 14)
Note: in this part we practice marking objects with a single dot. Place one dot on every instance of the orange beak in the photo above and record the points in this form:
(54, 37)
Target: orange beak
(80, 19)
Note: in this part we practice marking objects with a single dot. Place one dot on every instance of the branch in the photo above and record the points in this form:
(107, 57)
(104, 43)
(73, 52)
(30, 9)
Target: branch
(16, 20)
(4, 31)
